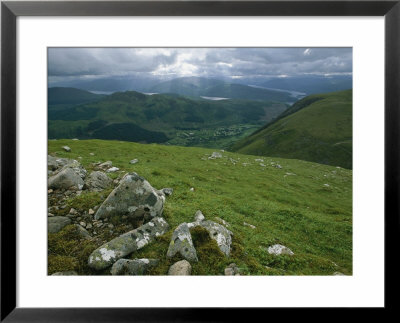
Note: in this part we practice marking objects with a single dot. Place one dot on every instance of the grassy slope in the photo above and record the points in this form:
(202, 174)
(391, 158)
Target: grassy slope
(298, 211)
(319, 129)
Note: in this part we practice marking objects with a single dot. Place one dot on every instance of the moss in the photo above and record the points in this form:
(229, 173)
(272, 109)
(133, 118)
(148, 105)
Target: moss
(58, 263)
(88, 200)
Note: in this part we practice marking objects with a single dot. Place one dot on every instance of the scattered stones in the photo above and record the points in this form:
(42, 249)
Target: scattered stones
(56, 223)
(180, 268)
(73, 211)
(326, 185)
(259, 160)
(181, 242)
(215, 155)
(134, 161)
(167, 191)
(112, 170)
(279, 249)
(277, 166)
(108, 253)
(135, 197)
(66, 148)
(91, 212)
(97, 181)
(133, 267)
(262, 165)
(75, 139)
(65, 273)
(232, 270)
(222, 221)
(249, 225)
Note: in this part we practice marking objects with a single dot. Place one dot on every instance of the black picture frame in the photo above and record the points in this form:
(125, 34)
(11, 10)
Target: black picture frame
(10, 10)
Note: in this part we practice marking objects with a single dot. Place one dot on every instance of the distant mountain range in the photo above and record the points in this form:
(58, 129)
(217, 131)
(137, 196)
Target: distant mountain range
(317, 128)
(201, 86)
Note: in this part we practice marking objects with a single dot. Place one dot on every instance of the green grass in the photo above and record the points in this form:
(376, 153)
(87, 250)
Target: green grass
(317, 128)
(291, 206)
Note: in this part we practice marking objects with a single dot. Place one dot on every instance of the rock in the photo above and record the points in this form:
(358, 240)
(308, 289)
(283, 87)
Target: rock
(82, 224)
(82, 231)
(249, 225)
(338, 273)
(54, 163)
(198, 217)
(232, 270)
(91, 154)
(69, 176)
(215, 155)
(134, 197)
(65, 273)
(106, 164)
(222, 221)
(98, 181)
(49, 191)
(89, 226)
(180, 268)
(127, 243)
(133, 267)
(134, 161)
(91, 212)
(167, 191)
(181, 242)
(66, 148)
(73, 211)
(278, 166)
(279, 249)
(112, 170)
(56, 223)
(220, 234)
(192, 189)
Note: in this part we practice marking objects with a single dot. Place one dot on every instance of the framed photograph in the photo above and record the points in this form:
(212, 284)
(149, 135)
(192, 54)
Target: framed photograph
(200, 154)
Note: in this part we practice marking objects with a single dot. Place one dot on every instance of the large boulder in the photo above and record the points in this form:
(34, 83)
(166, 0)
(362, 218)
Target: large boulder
(56, 223)
(98, 181)
(278, 249)
(65, 179)
(125, 244)
(54, 163)
(180, 268)
(133, 267)
(181, 242)
(133, 197)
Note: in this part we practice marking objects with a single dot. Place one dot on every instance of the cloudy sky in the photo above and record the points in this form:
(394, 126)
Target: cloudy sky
(91, 63)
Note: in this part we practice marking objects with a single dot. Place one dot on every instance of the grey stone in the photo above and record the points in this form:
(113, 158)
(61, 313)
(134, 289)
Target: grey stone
(198, 217)
(220, 234)
(106, 164)
(98, 181)
(279, 249)
(180, 268)
(215, 155)
(112, 170)
(125, 244)
(82, 231)
(134, 161)
(167, 191)
(56, 223)
(134, 197)
(65, 273)
(66, 148)
(181, 242)
(71, 175)
(133, 267)
(232, 270)
(54, 163)
(249, 225)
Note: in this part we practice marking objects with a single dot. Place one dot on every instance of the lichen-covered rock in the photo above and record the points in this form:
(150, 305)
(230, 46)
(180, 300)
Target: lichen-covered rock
(65, 273)
(181, 242)
(54, 163)
(98, 181)
(134, 197)
(180, 268)
(82, 232)
(56, 223)
(220, 234)
(167, 191)
(232, 270)
(125, 244)
(133, 267)
(279, 249)
(65, 179)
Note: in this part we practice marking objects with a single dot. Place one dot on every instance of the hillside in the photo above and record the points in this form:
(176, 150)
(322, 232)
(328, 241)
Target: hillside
(317, 128)
(162, 118)
(197, 86)
(302, 205)
(70, 96)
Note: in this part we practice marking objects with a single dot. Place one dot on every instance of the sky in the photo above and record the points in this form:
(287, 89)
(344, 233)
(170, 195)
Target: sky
(91, 63)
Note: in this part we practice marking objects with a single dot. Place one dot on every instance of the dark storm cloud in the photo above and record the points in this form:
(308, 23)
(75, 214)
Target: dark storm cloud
(227, 62)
